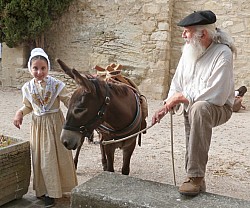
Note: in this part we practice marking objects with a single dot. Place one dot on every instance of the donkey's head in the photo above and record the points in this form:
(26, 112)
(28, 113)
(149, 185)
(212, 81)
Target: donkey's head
(86, 108)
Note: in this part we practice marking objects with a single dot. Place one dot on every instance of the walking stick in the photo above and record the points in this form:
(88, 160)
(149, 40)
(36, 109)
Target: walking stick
(172, 144)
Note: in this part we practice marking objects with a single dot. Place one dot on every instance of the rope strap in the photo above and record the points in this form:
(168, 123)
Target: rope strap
(125, 138)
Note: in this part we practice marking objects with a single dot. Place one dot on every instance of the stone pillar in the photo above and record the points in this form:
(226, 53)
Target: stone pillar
(12, 58)
(156, 41)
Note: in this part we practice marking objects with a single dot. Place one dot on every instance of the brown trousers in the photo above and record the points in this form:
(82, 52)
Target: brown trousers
(199, 121)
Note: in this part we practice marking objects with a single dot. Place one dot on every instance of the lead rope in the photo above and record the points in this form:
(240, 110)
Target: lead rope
(125, 138)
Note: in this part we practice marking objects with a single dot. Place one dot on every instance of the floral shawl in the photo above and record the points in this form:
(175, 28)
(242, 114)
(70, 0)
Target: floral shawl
(42, 102)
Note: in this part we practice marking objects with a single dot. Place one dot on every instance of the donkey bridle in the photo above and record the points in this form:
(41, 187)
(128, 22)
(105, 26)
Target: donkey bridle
(95, 122)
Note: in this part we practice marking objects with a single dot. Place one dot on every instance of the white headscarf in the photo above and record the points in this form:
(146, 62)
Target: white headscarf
(38, 52)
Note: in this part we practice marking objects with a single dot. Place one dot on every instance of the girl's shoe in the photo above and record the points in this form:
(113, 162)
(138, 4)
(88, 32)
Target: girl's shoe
(41, 197)
(49, 202)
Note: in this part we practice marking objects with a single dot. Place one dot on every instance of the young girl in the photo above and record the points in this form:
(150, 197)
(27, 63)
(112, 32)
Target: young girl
(53, 166)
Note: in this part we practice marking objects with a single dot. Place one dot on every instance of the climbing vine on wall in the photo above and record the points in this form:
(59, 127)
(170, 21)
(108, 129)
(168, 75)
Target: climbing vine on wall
(25, 21)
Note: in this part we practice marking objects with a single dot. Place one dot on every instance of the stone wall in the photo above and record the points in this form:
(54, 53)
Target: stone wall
(12, 59)
(134, 33)
(139, 34)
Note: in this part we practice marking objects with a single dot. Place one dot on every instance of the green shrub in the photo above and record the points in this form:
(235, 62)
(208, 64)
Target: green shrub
(25, 21)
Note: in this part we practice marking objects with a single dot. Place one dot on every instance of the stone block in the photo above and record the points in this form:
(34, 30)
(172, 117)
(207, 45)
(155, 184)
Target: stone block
(112, 190)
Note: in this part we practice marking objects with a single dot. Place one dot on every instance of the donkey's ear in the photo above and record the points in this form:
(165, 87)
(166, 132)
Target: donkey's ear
(74, 74)
(82, 80)
(65, 68)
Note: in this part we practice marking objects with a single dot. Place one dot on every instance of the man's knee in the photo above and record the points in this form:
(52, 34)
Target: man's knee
(200, 108)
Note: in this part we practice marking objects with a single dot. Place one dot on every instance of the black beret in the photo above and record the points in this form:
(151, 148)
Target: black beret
(198, 18)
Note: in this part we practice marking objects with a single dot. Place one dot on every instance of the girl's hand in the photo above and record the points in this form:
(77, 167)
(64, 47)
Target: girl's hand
(18, 119)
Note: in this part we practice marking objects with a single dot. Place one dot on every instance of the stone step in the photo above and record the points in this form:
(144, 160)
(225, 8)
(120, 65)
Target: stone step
(113, 190)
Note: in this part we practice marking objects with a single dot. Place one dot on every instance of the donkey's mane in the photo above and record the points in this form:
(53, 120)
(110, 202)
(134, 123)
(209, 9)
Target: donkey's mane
(119, 89)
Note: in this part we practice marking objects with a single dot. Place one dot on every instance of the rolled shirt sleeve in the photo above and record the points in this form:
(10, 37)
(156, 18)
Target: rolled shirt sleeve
(27, 107)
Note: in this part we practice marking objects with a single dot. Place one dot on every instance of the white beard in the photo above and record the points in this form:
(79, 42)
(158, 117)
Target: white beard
(193, 50)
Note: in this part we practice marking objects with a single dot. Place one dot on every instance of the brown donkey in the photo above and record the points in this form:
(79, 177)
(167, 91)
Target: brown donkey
(113, 110)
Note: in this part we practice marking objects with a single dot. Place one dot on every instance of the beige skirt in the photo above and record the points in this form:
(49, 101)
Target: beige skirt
(53, 167)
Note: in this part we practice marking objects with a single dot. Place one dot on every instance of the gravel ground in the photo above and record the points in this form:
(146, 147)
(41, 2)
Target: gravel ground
(228, 169)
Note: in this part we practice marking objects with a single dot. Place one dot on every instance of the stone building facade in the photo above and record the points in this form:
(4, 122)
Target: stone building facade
(139, 34)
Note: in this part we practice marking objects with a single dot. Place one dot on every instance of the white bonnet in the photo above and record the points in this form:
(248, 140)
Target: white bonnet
(38, 52)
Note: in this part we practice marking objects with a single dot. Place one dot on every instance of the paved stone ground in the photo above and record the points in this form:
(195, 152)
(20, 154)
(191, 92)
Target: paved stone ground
(30, 201)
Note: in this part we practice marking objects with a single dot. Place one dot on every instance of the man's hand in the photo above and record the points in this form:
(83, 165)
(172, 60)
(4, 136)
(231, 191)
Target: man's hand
(159, 115)
(169, 104)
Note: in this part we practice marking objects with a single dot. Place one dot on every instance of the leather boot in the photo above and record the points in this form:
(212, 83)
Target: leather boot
(193, 186)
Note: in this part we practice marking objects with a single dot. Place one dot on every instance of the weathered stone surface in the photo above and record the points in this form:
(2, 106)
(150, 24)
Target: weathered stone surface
(111, 190)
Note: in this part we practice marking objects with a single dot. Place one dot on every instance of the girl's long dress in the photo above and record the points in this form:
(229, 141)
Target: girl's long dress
(53, 167)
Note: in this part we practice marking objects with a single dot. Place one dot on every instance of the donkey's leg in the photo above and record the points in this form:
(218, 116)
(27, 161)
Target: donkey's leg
(104, 158)
(128, 150)
(76, 156)
(78, 152)
(110, 152)
(91, 138)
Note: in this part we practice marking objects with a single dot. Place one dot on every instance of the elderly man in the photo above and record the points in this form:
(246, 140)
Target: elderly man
(204, 84)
